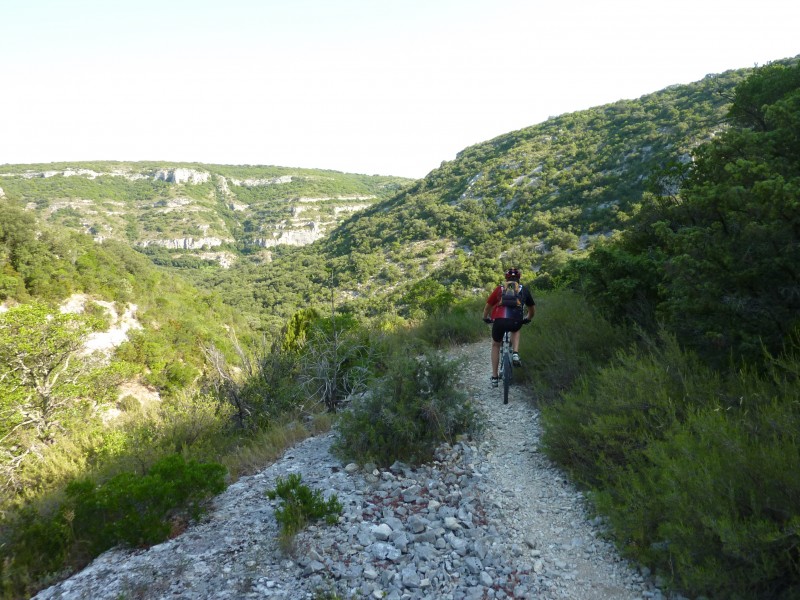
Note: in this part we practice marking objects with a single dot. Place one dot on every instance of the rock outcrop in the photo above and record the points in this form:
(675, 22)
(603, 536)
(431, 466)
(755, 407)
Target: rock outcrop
(186, 243)
(193, 222)
(292, 237)
(181, 175)
(257, 182)
(120, 324)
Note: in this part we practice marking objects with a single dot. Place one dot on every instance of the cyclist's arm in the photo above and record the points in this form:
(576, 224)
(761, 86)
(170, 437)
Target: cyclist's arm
(531, 305)
(487, 311)
(491, 302)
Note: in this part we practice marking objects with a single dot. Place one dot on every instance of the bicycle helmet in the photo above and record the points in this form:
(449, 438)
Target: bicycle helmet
(513, 274)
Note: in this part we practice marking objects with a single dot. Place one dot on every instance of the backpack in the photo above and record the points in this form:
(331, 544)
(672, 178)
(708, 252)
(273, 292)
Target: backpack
(511, 294)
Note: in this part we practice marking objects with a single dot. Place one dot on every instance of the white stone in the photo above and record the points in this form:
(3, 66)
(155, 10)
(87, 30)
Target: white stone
(381, 532)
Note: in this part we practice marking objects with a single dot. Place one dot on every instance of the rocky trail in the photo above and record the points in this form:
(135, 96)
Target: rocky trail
(491, 518)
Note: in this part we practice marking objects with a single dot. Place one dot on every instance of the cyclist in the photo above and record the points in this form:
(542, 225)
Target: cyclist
(507, 318)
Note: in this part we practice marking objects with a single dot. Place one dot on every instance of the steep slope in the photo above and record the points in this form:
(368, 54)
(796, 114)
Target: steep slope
(554, 186)
(46, 263)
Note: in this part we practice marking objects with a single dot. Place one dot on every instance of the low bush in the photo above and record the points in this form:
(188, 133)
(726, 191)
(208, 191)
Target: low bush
(458, 324)
(407, 412)
(716, 507)
(127, 509)
(271, 389)
(191, 422)
(300, 505)
(604, 423)
(33, 549)
(136, 510)
(698, 471)
(566, 339)
(334, 363)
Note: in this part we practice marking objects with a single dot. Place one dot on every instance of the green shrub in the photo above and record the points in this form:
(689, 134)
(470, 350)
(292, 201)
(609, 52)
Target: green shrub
(301, 505)
(566, 338)
(136, 510)
(428, 297)
(191, 422)
(732, 518)
(457, 324)
(129, 404)
(127, 509)
(715, 506)
(270, 390)
(334, 363)
(31, 546)
(604, 423)
(412, 408)
(699, 473)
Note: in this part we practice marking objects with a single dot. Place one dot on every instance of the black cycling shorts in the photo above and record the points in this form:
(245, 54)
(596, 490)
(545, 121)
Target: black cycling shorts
(500, 326)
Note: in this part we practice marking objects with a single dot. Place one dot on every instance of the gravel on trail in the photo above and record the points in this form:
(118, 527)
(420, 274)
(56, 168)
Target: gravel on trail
(489, 518)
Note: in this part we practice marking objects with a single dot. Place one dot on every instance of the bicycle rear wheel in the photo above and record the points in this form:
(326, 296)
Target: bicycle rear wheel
(506, 375)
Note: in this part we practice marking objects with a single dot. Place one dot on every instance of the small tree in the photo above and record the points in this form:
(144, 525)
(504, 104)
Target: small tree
(226, 383)
(332, 365)
(42, 377)
(332, 358)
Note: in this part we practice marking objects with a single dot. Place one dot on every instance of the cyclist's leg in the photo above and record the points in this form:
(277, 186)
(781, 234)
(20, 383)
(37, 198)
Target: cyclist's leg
(498, 329)
(515, 340)
(515, 330)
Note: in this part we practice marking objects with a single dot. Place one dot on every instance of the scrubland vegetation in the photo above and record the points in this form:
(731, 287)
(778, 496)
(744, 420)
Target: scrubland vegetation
(688, 438)
(664, 356)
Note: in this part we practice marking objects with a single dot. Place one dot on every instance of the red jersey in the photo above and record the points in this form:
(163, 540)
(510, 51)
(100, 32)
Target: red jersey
(508, 312)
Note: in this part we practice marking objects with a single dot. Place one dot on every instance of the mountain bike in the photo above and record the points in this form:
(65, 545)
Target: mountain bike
(506, 368)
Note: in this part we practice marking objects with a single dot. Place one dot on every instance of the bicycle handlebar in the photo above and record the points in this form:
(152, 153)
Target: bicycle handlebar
(489, 320)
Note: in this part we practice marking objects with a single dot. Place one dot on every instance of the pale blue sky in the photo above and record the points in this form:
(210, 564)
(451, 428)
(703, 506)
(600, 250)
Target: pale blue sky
(366, 86)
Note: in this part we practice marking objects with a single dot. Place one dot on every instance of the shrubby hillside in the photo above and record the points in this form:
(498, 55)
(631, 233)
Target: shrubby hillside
(533, 197)
(688, 436)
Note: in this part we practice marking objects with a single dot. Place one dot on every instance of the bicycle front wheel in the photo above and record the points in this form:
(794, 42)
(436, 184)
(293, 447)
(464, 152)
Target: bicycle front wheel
(506, 375)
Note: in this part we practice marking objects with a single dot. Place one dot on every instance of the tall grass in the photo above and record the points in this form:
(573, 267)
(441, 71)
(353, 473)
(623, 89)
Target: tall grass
(458, 324)
(566, 339)
(265, 446)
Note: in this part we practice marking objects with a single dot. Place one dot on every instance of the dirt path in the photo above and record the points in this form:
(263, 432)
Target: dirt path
(546, 514)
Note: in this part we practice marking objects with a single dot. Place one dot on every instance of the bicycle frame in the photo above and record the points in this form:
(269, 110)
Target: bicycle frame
(506, 367)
